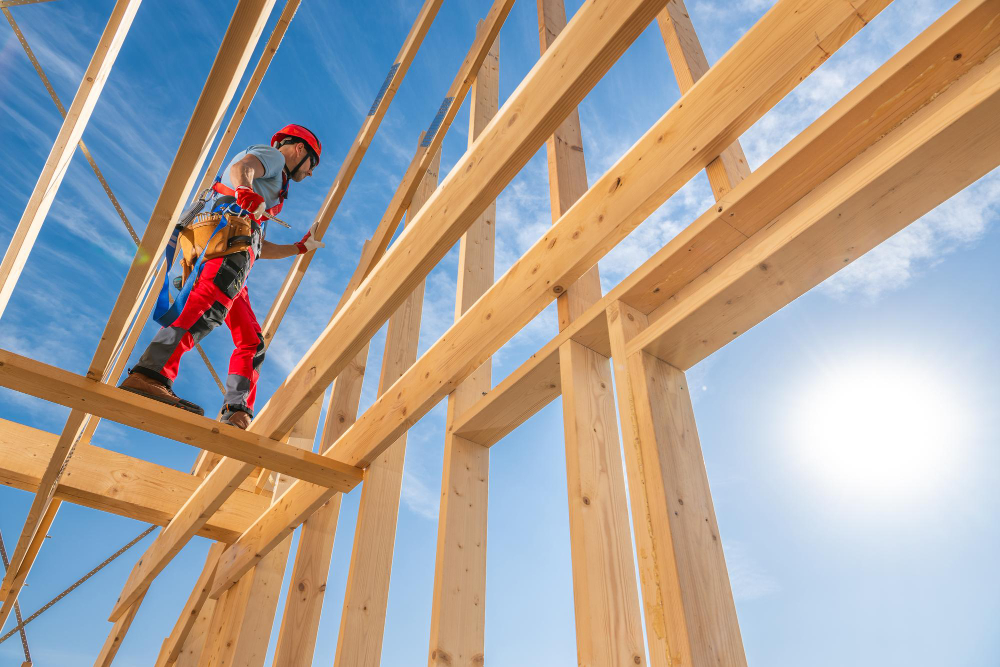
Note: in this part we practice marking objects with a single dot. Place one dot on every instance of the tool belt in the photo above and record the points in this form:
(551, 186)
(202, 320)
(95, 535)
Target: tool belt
(235, 236)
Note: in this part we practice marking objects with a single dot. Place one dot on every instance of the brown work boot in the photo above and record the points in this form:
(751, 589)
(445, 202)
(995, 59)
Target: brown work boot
(137, 383)
(237, 418)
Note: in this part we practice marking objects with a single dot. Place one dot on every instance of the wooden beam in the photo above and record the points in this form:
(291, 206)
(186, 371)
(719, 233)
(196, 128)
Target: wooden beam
(538, 103)
(690, 64)
(690, 612)
(246, 98)
(352, 161)
(605, 593)
(942, 148)
(894, 92)
(778, 52)
(458, 604)
(486, 34)
(75, 122)
(241, 627)
(304, 604)
(116, 636)
(173, 645)
(77, 392)
(112, 482)
(366, 598)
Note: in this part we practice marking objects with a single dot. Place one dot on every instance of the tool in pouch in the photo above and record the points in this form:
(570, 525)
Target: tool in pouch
(201, 236)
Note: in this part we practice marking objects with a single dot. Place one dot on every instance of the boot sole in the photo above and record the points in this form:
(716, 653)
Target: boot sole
(181, 403)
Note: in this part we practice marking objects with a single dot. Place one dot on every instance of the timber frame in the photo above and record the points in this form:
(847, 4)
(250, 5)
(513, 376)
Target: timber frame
(915, 132)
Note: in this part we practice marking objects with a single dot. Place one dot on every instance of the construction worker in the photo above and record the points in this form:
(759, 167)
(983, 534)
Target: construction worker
(254, 186)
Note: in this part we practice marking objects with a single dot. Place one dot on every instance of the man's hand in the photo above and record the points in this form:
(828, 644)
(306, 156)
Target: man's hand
(250, 201)
(308, 243)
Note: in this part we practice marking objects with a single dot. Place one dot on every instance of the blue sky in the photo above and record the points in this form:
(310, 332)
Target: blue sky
(886, 555)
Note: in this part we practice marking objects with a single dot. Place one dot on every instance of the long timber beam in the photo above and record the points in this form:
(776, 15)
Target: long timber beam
(891, 94)
(598, 34)
(111, 482)
(605, 591)
(77, 392)
(75, 122)
(458, 612)
(790, 41)
(352, 161)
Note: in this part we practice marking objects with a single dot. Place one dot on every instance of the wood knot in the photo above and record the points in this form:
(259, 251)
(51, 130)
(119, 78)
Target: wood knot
(586, 500)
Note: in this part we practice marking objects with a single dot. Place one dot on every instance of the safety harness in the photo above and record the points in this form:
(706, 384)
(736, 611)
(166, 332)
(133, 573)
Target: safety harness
(227, 211)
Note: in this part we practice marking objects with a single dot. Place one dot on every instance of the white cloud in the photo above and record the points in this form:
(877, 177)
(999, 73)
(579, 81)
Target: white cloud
(420, 498)
(748, 579)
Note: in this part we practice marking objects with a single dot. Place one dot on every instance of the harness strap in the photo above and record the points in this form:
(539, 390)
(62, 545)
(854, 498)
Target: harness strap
(164, 313)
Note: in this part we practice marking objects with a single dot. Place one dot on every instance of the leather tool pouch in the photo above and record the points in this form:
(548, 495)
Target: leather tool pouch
(235, 236)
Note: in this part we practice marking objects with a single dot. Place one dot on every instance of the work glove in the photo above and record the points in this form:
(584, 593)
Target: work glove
(250, 201)
(308, 242)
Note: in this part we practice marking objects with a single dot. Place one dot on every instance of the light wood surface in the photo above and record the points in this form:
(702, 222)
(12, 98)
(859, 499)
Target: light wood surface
(362, 620)
(583, 52)
(77, 392)
(112, 482)
(690, 612)
(458, 609)
(173, 645)
(934, 154)
(605, 593)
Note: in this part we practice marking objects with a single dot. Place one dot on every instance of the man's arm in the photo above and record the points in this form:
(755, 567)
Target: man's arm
(242, 173)
(270, 250)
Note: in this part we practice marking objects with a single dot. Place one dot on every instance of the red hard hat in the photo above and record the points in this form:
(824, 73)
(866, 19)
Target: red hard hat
(302, 133)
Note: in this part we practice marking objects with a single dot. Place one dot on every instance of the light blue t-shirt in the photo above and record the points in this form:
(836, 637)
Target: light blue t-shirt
(268, 185)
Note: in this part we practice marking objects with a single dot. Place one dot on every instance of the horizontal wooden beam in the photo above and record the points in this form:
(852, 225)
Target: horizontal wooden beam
(891, 94)
(111, 482)
(941, 149)
(75, 391)
(791, 40)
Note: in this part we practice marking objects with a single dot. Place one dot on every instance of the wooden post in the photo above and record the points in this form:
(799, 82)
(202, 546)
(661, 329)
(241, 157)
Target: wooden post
(690, 613)
(362, 621)
(174, 644)
(117, 635)
(304, 604)
(65, 144)
(458, 612)
(241, 626)
(605, 593)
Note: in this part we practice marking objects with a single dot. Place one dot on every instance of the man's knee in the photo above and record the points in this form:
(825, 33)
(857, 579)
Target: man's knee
(261, 350)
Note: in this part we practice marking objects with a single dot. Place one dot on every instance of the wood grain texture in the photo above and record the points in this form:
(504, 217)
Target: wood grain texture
(86, 396)
(458, 610)
(605, 593)
(366, 599)
(690, 613)
(173, 645)
(112, 482)
(934, 154)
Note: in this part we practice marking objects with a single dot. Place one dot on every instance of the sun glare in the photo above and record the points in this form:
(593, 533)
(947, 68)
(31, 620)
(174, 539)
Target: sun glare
(880, 428)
